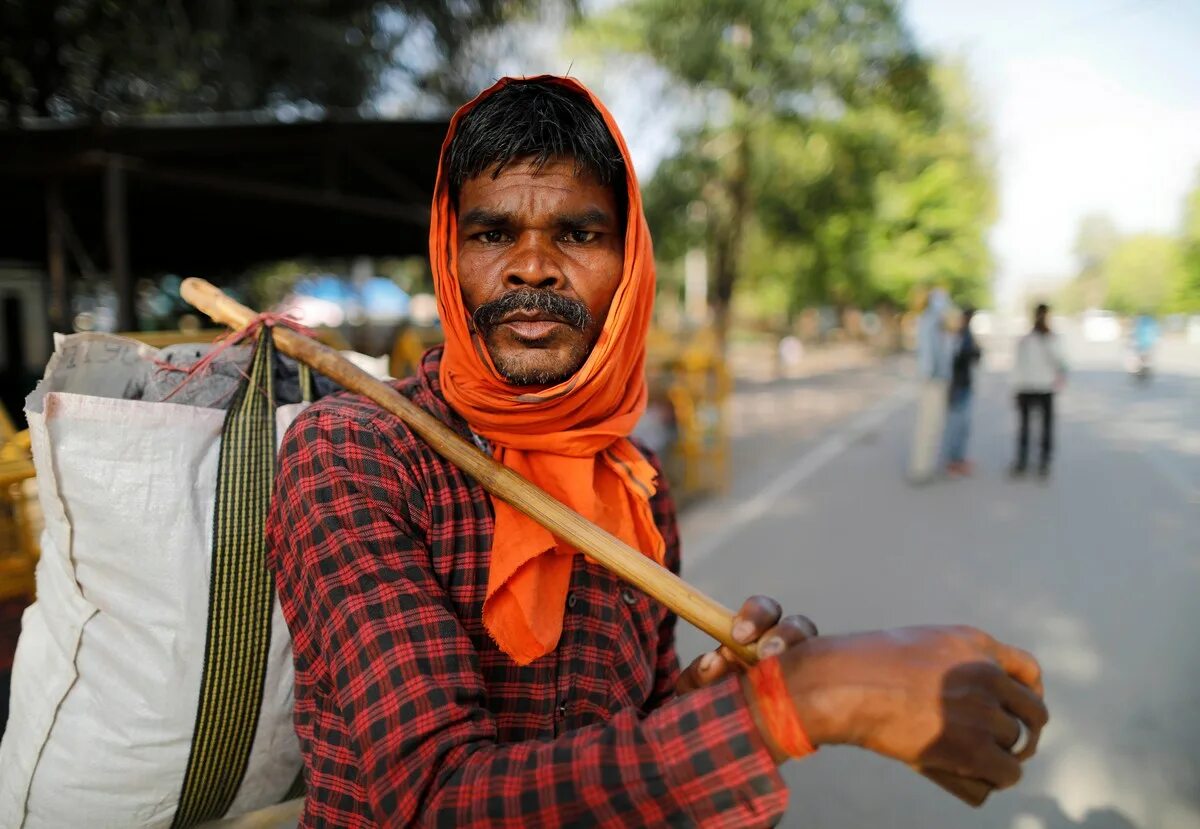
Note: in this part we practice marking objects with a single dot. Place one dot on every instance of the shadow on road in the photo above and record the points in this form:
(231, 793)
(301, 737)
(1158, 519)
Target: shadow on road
(1042, 812)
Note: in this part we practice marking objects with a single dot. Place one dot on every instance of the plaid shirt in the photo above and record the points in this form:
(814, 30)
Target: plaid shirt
(407, 711)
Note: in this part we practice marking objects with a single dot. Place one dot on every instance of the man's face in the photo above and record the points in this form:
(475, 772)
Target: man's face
(540, 255)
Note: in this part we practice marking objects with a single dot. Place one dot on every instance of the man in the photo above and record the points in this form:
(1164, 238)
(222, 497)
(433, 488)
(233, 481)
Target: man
(965, 355)
(458, 666)
(933, 370)
(1039, 371)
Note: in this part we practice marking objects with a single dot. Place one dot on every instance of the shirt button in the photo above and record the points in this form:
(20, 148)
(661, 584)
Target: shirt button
(628, 596)
(572, 599)
(562, 710)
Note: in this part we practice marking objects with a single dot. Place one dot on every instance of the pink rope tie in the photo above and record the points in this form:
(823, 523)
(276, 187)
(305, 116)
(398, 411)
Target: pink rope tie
(232, 338)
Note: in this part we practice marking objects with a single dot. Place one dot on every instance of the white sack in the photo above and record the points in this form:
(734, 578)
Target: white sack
(108, 666)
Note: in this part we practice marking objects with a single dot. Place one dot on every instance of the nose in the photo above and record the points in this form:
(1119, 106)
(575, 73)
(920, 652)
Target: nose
(533, 263)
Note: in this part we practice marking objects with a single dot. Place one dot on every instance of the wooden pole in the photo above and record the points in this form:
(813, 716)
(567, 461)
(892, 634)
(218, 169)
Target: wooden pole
(624, 561)
(505, 484)
(117, 242)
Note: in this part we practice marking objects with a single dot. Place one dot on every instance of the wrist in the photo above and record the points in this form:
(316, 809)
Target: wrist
(830, 708)
(778, 755)
(774, 712)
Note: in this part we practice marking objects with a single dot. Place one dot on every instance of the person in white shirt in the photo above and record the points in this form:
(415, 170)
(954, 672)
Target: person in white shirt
(1038, 373)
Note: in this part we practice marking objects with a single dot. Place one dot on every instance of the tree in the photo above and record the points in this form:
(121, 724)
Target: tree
(934, 207)
(851, 210)
(1094, 244)
(87, 58)
(1188, 295)
(768, 70)
(1144, 273)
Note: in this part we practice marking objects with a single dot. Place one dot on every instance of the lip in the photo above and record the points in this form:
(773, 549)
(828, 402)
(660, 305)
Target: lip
(532, 329)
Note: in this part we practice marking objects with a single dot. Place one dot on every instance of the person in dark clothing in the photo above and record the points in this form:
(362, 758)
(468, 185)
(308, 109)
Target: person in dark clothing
(1039, 372)
(965, 356)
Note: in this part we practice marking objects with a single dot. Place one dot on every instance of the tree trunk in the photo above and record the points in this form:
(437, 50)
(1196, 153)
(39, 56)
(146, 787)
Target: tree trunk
(727, 258)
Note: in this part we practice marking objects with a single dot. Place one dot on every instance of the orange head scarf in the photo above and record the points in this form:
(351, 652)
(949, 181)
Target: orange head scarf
(570, 439)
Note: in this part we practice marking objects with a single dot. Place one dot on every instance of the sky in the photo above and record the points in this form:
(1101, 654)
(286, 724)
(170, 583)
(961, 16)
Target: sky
(1093, 106)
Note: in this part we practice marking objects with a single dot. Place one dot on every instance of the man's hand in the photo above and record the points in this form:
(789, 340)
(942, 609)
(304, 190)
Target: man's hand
(948, 698)
(757, 621)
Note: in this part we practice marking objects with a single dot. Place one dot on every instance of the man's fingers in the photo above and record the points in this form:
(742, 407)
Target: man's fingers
(757, 615)
(791, 630)
(1020, 665)
(1006, 728)
(805, 624)
(1027, 706)
(996, 766)
(983, 760)
(704, 670)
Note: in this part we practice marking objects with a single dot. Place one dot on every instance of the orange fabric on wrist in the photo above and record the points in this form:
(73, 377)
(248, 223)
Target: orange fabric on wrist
(777, 710)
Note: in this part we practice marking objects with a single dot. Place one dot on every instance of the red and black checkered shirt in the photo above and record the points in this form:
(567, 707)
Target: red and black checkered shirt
(407, 711)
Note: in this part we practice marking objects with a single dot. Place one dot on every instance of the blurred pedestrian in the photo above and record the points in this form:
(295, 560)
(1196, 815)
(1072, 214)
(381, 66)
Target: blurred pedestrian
(1143, 339)
(1038, 373)
(964, 356)
(933, 371)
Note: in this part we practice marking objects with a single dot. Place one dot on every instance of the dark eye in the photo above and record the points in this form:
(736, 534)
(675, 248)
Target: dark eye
(491, 237)
(582, 237)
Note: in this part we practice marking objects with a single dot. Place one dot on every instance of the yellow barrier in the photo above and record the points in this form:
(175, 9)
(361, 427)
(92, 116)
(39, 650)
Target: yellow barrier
(693, 378)
(688, 375)
(18, 513)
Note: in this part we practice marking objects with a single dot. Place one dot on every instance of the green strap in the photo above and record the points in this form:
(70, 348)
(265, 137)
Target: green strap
(241, 595)
(307, 387)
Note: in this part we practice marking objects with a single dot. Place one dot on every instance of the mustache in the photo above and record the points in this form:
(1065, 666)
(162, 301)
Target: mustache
(563, 309)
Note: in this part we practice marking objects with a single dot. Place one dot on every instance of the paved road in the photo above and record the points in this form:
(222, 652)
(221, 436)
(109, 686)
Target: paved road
(1096, 571)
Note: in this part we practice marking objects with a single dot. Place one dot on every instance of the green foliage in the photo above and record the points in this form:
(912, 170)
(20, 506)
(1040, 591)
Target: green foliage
(785, 55)
(1144, 273)
(1158, 273)
(1187, 296)
(834, 164)
(934, 206)
(65, 58)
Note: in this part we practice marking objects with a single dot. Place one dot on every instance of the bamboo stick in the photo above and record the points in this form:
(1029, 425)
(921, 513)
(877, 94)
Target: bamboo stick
(618, 557)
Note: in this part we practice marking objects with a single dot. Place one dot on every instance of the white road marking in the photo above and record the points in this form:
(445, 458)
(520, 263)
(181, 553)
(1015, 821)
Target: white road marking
(808, 464)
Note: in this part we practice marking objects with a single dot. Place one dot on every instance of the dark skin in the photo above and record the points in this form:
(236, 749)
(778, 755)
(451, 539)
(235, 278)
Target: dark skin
(946, 698)
(539, 230)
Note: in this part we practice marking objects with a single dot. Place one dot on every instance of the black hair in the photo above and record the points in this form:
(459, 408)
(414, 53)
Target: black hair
(539, 120)
(1039, 318)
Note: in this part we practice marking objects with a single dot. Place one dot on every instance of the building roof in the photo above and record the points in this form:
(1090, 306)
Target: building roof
(209, 194)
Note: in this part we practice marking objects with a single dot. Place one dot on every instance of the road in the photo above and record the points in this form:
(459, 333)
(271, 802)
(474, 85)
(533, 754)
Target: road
(1097, 571)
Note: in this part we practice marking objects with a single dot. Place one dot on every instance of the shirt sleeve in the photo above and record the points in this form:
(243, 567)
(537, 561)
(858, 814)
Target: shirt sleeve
(405, 679)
